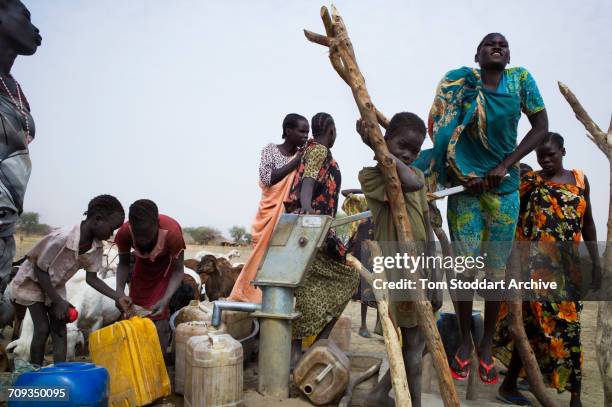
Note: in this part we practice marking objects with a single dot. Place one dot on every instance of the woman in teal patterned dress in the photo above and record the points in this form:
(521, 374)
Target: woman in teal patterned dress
(473, 123)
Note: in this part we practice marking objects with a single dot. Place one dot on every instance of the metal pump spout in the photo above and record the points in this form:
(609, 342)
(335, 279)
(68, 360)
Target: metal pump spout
(219, 306)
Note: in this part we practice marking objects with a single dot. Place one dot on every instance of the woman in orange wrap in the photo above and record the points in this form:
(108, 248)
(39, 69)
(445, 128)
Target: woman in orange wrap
(276, 172)
(556, 210)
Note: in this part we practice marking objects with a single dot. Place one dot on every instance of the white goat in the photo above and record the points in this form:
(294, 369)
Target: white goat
(110, 261)
(95, 311)
(196, 278)
(228, 256)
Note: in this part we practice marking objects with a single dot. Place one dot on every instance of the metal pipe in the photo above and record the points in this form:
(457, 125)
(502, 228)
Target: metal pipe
(275, 341)
(219, 306)
(349, 219)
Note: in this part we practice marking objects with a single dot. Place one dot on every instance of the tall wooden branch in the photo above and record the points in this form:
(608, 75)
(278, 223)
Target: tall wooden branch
(603, 334)
(342, 57)
(392, 344)
(382, 120)
(582, 115)
(516, 327)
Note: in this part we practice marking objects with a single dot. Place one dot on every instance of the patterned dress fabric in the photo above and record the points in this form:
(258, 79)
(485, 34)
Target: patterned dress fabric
(474, 129)
(271, 159)
(551, 212)
(483, 224)
(330, 281)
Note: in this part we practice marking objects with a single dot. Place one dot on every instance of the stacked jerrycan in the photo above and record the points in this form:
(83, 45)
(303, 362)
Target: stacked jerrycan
(213, 375)
(184, 332)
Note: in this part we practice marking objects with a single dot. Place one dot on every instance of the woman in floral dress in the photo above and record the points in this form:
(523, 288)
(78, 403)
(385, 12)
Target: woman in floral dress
(330, 281)
(555, 207)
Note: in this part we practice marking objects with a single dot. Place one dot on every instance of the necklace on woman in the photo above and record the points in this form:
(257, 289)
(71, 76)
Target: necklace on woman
(19, 103)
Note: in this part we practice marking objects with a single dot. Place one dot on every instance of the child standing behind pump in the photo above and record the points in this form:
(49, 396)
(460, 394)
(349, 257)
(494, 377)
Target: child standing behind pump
(404, 137)
(40, 283)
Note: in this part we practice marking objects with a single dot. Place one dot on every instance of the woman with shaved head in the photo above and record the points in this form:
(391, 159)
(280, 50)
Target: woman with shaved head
(18, 36)
(473, 123)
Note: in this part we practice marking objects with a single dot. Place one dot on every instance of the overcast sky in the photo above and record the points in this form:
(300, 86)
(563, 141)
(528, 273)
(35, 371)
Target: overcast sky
(173, 101)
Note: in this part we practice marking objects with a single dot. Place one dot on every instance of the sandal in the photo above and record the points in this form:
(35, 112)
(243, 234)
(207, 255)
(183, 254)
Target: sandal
(487, 368)
(462, 373)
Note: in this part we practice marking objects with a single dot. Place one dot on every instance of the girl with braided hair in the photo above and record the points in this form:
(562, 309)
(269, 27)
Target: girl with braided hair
(331, 280)
(40, 283)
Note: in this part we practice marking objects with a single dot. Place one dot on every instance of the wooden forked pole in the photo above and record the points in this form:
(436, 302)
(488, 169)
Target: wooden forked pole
(392, 344)
(603, 333)
(521, 342)
(342, 57)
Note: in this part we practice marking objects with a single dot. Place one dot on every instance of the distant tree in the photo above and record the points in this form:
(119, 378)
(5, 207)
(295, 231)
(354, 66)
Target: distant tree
(204, 234)
(188, 238)
(248, 238)
(29, 223)
(237, 233)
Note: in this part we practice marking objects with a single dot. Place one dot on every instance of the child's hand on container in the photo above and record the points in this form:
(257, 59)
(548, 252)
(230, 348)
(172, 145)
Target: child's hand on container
(126, 306)
(158, 308)
(59, 309)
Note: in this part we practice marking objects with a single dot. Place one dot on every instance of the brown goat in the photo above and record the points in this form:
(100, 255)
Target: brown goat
(218, 276)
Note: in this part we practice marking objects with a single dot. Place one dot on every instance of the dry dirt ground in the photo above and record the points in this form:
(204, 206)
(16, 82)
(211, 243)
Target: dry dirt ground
(367, 351)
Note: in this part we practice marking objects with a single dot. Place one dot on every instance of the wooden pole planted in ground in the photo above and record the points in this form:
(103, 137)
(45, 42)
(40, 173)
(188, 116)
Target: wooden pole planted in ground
(521, 342)
(603, 334)
(394, 350)
(342, 57)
